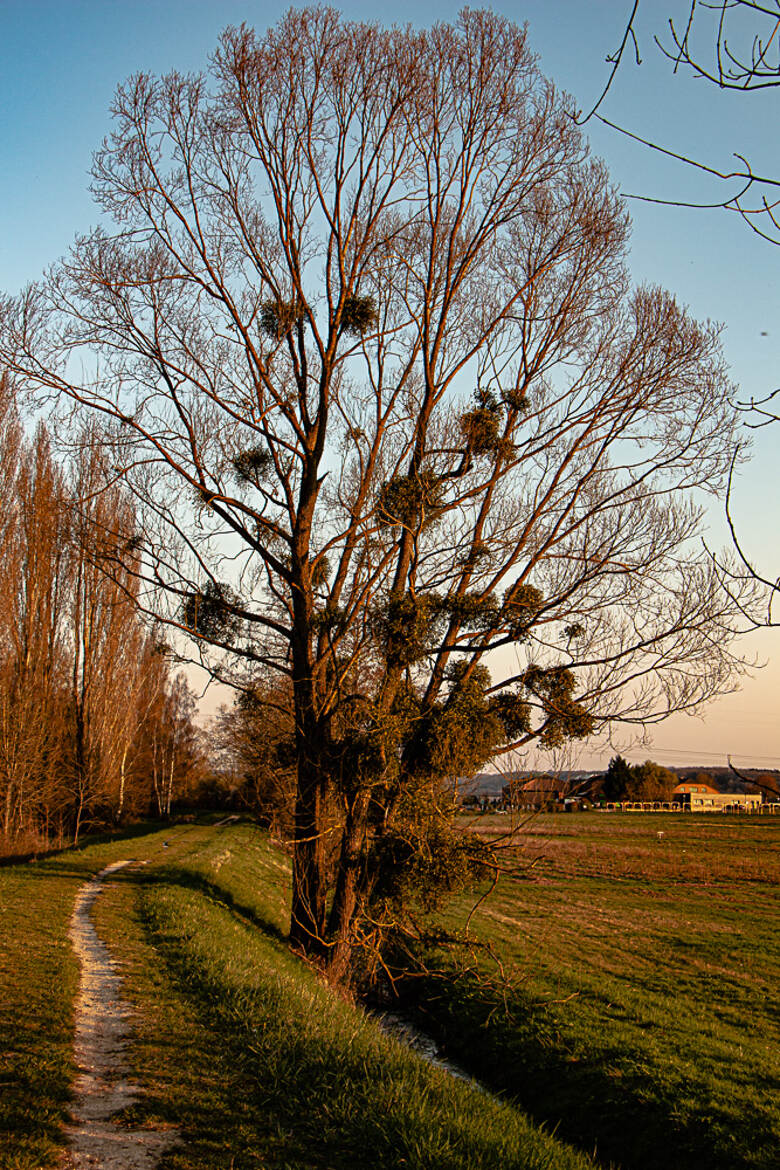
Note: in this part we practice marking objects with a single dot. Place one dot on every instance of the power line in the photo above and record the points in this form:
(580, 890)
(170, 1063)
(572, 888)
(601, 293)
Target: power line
(676, 752)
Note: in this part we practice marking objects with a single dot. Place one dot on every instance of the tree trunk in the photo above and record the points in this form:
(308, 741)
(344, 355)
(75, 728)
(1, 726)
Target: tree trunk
(121, 802)
(8, 809)
(307, 919)
(79, 811)
(80, 762)
(347, 894)
(169, 788)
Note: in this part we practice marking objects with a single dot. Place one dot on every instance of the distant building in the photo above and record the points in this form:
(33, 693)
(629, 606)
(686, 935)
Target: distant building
(536, 792)
(698, 797)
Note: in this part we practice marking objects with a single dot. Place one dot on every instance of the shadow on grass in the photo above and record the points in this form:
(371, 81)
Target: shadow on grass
(128, 833)
(284, 1084)
(596, 1104)
(175, 875)
(34, 1094)
(197, 1073)
(251, 1103)
(108, 836)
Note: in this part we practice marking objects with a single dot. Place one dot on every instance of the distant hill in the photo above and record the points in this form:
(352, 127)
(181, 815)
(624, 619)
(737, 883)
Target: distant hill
(491, 784)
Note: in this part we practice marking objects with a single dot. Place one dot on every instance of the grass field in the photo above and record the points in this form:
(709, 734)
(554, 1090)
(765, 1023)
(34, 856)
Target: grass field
(643, 1018)
(236, 1043)
(640, 1021)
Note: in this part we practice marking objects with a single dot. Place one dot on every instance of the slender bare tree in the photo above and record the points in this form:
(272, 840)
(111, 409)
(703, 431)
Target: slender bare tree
(31, 698)
(79, 673)
(366, 350)
(174, 754)
(106, 638)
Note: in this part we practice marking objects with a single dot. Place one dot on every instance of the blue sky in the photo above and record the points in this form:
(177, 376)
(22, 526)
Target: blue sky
(60, 63)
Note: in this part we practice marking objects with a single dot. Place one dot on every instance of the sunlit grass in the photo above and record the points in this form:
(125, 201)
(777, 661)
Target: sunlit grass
(38, 983)
(641, 1021)
(235, 1043)
(644, 973)
(311, 1080)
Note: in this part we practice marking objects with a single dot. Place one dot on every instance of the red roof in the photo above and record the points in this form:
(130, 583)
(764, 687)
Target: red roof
(697, 786)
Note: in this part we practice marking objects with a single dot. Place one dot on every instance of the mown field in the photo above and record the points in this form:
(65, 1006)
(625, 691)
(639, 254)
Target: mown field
(643, 1017)
(639, 1022)
(237, 1045)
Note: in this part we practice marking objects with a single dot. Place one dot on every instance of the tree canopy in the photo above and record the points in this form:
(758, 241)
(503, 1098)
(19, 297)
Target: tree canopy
(648, 781)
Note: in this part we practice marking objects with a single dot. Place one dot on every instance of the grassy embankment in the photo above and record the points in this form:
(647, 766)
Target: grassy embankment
(643, 1019)
(235, 1043)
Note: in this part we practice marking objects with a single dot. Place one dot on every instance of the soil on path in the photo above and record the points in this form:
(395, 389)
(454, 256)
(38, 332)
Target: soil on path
(102, 1089)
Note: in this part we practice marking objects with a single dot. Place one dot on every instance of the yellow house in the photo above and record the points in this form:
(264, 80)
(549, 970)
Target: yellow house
(698, 797)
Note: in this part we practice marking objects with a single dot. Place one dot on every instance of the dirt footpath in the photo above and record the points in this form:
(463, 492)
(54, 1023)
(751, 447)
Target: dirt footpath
(102, 1088)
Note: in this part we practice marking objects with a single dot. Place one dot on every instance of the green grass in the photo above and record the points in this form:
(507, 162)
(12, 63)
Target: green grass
(294, 1076)
(236, 1043)
(38, 982)
(642, 1019)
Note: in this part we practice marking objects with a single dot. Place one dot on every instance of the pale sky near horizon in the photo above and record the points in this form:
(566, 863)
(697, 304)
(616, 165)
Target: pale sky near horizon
(59, 65)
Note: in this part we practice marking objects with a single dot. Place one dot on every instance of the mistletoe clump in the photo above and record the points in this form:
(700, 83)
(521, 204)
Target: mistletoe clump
(564, 718)
(477, 552)
(407, 627)
(481, 428)
(410, 501)
(520, 609)
(320, 571)
(358, 314)
(516, 399)
(459, 734)
(278, 318)
(514, 713)
(252, 465)
(328, 618)
(419, 862)
(475, 611)
(210, 612)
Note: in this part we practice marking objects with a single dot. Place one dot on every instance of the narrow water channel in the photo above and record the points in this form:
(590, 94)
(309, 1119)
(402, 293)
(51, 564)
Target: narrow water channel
(397, 1025)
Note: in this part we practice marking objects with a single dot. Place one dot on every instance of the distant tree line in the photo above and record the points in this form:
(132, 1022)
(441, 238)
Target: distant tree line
(648, 781)
(93, 726)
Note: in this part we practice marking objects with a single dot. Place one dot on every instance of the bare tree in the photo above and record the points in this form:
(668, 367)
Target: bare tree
(76, 664)
(34, 582)
(365, 346)
(145, 678)
(250, 749)
(106, 640)
(173, 749)
(740, 50)
(735, 45)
